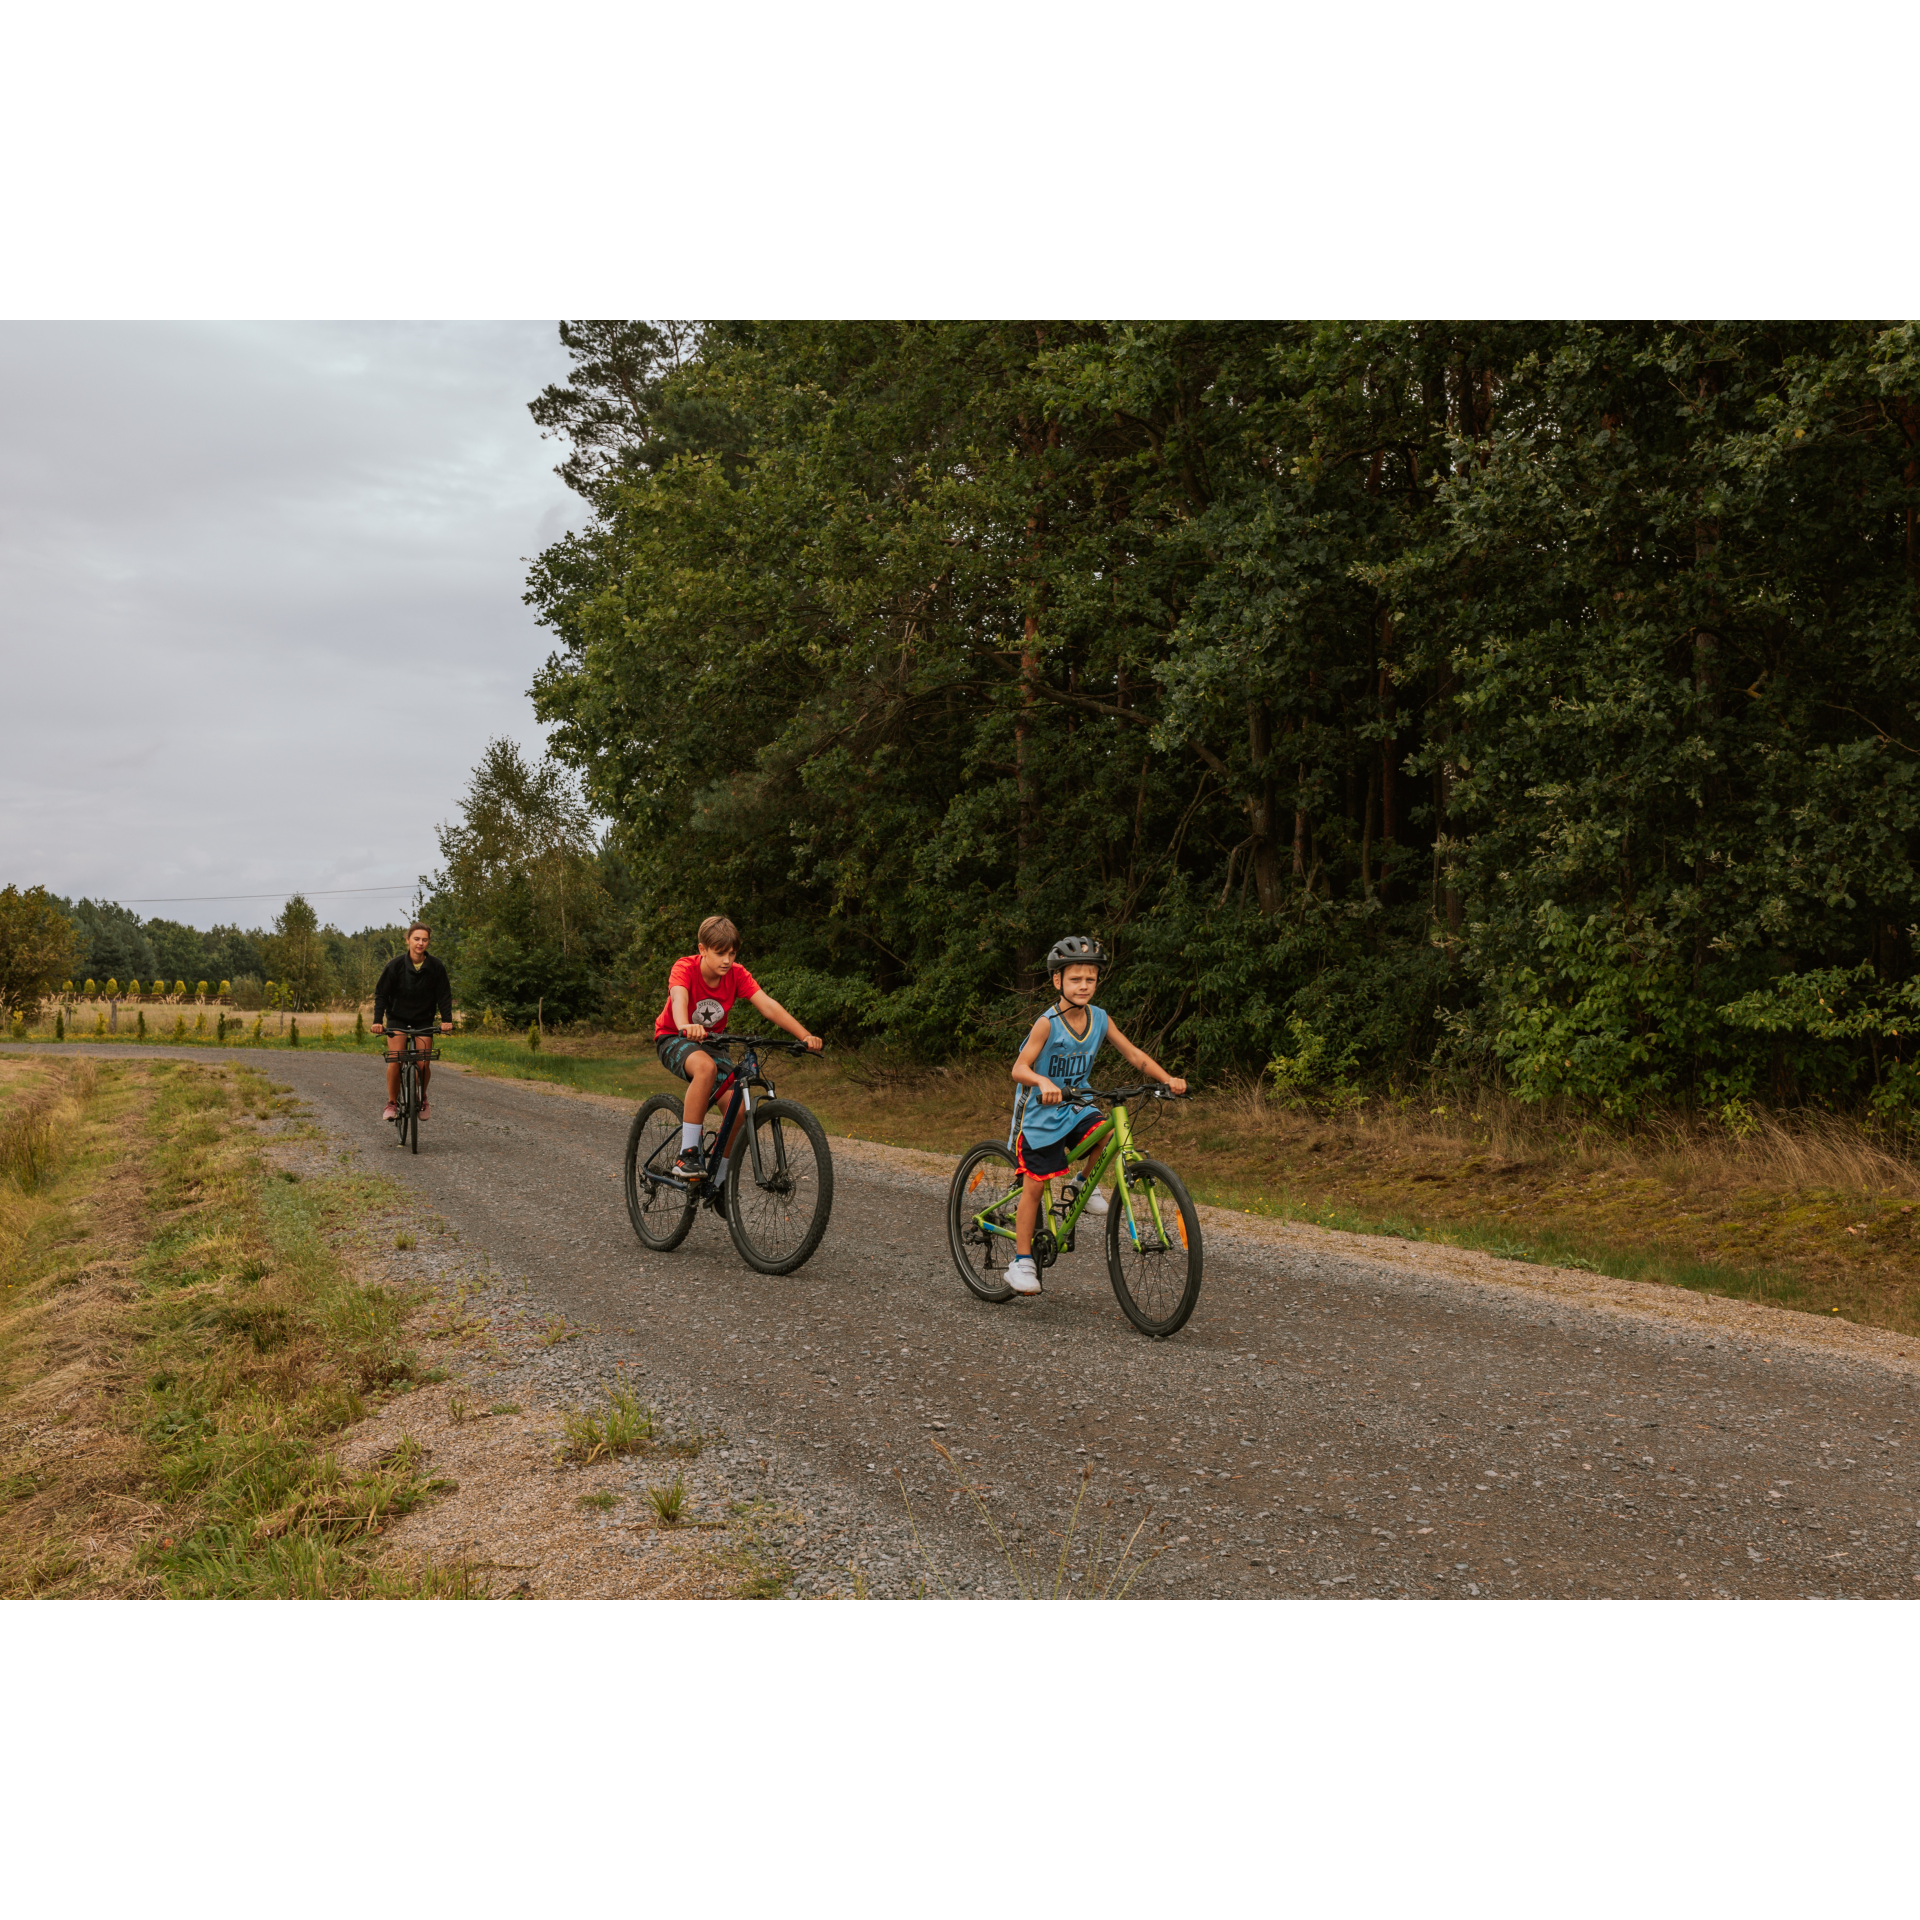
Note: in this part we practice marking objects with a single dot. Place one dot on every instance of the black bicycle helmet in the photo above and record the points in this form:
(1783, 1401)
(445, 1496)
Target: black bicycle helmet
(1076, 950)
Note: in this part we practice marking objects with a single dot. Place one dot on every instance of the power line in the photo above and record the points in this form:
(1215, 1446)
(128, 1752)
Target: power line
(281, 893)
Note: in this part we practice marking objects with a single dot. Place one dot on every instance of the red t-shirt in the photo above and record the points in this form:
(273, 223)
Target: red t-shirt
(707, 1006)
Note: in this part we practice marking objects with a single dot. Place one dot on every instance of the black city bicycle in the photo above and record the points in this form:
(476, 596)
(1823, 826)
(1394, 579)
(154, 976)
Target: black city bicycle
(1154, 1255)
(406, 1116)
(778, 1192)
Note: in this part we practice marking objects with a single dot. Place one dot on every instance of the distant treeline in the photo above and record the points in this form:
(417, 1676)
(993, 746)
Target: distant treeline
(318, 964)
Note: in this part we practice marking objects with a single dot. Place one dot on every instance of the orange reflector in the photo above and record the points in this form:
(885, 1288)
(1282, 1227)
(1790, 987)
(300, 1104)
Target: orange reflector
(1180, 1223)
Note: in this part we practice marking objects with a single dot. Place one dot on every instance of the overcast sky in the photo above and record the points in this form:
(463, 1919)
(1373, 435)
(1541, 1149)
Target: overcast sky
(260, 601)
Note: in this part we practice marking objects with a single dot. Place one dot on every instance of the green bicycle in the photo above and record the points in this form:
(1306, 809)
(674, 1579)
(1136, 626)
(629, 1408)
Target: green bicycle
(1153, 1232)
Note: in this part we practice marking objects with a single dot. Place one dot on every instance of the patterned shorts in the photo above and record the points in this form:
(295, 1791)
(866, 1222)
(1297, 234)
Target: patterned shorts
(675, 1051)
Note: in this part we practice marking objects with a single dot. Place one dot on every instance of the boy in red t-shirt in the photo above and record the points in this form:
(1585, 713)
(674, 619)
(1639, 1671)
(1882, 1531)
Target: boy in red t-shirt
(701, 990)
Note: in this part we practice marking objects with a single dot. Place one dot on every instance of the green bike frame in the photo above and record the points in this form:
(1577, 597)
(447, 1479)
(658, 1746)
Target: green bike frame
(1112, 1142)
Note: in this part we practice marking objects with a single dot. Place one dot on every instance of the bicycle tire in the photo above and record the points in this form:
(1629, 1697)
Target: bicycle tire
(661, 1216)
(772, 1229)
(972, 1248)
(413, 1120)
(1158, 1298)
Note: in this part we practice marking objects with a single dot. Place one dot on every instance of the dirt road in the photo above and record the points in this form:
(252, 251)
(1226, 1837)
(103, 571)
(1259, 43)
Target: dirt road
(1341, 1417)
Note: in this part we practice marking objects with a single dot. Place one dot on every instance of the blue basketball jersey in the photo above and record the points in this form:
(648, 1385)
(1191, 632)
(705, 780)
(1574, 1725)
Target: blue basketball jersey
(1066, 1060)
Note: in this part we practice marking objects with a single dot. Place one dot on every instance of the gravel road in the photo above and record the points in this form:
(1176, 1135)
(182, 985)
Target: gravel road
(1340, 1417)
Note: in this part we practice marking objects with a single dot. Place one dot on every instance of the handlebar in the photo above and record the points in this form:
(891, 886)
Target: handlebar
(1147, 1089)
(754, 1040)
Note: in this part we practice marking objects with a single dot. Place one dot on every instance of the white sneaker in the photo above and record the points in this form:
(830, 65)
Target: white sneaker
(1023, 1276)
(1098, 1204)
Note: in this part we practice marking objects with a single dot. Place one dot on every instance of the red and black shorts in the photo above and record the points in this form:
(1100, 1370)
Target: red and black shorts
(1050, 1162)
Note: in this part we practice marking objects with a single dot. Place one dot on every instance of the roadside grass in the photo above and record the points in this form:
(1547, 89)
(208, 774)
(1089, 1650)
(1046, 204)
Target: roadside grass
(179, 1340)
(1080, 1570)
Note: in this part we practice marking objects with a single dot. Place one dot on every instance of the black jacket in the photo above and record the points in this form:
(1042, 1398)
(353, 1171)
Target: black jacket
(412, 996)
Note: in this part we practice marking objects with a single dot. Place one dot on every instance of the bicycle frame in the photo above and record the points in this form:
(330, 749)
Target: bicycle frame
(740, 1104)
(1113, 1143)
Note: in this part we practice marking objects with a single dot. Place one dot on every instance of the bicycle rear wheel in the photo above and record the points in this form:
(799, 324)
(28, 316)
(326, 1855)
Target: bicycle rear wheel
(662, 1215)
(778, 1212)
(981, 1204)
(1153, 1249)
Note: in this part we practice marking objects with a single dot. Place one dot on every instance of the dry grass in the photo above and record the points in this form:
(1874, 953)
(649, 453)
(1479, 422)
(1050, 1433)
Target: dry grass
(1810, 1211)
(178, 1342)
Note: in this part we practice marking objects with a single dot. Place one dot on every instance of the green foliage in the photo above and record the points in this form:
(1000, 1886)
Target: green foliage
(38, 948)
(1523, 699)
(297, 953)
(528, 908)
(111, 938)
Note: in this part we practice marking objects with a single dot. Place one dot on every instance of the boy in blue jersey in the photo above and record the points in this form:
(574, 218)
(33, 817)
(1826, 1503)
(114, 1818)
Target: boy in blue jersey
(1069, 1035)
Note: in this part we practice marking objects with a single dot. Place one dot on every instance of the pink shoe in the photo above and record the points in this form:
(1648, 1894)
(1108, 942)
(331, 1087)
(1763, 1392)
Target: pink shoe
(392, 1112)
(424, 1109)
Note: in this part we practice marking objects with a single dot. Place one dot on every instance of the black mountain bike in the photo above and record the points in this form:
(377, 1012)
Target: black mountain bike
(406, 1119)
(778, 1193)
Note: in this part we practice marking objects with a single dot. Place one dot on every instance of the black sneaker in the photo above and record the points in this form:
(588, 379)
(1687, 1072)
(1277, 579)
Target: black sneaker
(692, 1164)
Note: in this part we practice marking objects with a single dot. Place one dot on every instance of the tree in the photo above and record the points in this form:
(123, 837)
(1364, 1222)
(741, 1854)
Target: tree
(112, 939)
(179, 951)
(521, 897)
(298, 957)
(39, 948)
(233, 953)
(615, 412)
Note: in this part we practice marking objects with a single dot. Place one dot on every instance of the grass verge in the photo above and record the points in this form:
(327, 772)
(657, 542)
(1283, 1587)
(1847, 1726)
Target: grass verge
(179, 1342)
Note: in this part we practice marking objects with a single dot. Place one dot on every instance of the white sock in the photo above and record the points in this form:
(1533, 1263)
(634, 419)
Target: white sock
(719, 1171)
(689, 1134)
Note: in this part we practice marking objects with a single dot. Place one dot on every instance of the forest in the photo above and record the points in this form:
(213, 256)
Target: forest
(1528, 702)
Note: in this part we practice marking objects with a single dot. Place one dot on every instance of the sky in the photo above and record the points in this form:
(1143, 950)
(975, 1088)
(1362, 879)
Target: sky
(260, 602)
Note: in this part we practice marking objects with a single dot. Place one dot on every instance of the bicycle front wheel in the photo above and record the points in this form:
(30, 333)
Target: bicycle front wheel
(981, 1204)
(780, 1197)
(1153, 1249)
(662, 1214)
